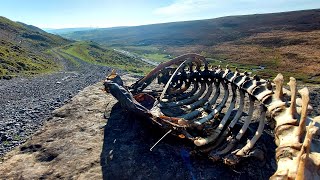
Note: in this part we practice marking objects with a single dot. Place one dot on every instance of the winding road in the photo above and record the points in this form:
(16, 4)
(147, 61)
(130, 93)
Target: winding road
(127, 53)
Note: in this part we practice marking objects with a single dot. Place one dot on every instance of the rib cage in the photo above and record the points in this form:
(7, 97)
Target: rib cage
(192, 98)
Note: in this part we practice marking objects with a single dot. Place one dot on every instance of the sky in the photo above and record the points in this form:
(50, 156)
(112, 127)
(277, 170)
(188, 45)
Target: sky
(111, 13)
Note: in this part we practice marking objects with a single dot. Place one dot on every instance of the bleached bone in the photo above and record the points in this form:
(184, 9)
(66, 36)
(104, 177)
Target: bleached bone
(290, 134)
(305, 101)
(297, 155)
(239, 111)
(201, 101)
(293, 89)
(142, 83)
(244, 151)
(224, 100)
(231, 107)
(216, 132)
(188, 94)
(216, 95)
(231, 141)
(197, 104)
(172, 76)
(195, 107)
(305, 150)
(247, 120)
(279, 87)
(214, 135)
(217, 109)
(189, 99)
(182, 89)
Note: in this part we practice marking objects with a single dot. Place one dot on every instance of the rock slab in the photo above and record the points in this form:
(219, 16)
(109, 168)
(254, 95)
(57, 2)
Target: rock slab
(68, 146)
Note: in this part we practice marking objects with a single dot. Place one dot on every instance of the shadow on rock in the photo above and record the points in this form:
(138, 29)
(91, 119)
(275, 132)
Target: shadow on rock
(126, 154)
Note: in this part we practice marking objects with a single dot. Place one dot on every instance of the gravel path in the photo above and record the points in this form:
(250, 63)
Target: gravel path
(25, 103)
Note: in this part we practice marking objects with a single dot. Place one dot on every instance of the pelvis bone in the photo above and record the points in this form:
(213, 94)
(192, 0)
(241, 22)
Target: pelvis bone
(207, 106)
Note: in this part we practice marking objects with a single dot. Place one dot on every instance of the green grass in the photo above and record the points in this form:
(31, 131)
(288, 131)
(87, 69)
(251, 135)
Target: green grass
(94, 53)
(70, 58)
(16, 60)
(157, 57)
(24, 49)
(152, 53)
(267, 73)
(16, 137)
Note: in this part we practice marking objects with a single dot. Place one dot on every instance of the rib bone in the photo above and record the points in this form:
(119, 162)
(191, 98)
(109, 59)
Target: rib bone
(298, 152)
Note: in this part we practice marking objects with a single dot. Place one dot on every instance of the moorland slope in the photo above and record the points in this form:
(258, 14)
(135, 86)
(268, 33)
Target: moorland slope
(24, 49)
(285, 42)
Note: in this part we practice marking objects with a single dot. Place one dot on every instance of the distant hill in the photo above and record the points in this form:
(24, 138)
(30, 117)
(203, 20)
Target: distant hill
(67, 30)
(203, 32)
(285, 42)
(23, 49)
(94, 53)
(63, 31)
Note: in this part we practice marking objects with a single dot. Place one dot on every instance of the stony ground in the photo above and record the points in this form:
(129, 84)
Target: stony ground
(68, 146)
(25, 103)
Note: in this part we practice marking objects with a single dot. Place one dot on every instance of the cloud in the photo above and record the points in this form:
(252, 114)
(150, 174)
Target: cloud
(180, 7)
(215, 8)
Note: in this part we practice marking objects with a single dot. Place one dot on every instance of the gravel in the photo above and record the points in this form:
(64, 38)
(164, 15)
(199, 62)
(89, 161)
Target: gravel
(26, 103)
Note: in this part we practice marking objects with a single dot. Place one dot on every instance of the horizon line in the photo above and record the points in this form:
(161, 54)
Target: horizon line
(167, 22)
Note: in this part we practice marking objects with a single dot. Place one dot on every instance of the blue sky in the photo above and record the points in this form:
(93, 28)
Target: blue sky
(110, 13)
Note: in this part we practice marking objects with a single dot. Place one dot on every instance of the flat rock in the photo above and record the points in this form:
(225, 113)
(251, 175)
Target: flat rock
(92, 137)
(68, 146)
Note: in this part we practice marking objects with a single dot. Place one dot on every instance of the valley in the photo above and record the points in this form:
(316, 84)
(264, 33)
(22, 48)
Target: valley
(287, 43)
(61, 119)
(40, 72)
(46, 70)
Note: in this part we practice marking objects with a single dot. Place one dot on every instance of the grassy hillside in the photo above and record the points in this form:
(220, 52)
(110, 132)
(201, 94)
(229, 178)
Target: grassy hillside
(282, 42)
(24, 49)
(94, 53)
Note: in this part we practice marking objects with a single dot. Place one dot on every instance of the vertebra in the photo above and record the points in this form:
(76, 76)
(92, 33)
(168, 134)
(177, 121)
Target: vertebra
(188, 108)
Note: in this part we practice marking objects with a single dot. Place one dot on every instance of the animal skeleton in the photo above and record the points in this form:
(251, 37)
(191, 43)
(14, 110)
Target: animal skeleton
(186, 106)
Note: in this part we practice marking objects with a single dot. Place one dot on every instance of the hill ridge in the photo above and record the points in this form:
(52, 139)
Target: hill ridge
(24, 49)
(282, 42)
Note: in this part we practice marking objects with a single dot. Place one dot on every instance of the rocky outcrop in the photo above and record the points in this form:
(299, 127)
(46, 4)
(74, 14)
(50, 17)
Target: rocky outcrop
(91, 137)
(69, 144)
